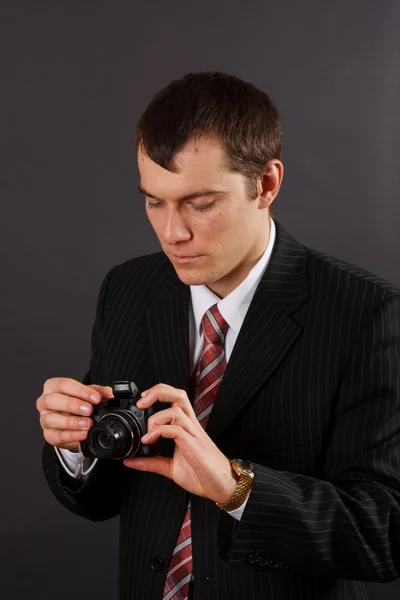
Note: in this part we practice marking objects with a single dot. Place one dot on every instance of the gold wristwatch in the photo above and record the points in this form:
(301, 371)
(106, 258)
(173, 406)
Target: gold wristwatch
(244, 473)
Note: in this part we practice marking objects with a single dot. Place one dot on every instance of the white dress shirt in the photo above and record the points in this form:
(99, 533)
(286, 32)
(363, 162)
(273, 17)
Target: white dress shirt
(233, 308)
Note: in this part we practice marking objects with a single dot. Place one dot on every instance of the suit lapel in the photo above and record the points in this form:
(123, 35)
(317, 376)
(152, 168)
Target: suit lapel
(168, 326)
(266, 336)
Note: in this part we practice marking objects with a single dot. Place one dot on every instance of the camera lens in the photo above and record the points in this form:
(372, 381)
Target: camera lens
(104, 439)
(116, 435)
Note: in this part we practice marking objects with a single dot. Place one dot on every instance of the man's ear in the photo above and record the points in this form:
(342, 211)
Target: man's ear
(269, 182)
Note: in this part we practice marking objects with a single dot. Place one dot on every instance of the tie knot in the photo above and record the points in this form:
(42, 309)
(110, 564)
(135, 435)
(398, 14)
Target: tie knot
(214, 326)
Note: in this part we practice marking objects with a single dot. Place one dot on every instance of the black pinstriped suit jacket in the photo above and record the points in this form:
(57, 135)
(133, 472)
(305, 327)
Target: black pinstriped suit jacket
(311, 395)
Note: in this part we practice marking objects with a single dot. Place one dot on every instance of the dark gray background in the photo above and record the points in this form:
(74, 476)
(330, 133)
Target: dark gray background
(75, 77)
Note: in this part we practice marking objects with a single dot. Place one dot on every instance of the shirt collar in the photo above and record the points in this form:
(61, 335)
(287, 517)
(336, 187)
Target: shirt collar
(234, 306)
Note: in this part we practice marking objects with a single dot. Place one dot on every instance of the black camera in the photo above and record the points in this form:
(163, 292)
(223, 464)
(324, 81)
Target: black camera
(119, 425)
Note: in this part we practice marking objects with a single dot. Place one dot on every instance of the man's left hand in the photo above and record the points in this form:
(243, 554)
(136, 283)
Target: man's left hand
(198, 466)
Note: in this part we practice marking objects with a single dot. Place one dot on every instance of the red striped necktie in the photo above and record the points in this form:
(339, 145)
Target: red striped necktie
(209, 372)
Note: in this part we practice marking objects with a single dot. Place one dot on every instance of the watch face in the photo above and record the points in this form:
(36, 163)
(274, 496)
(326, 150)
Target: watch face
(242, 466)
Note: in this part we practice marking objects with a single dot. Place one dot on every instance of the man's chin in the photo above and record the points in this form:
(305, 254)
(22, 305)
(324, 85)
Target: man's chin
(190, 278)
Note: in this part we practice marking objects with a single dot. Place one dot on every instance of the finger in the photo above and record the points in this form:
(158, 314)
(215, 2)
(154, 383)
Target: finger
(63, 403)
(157, 464)
(105, 391)
(71, 387)
(73, 446)
(60, 437)
(195, 452)
(166, 393)
(186, 442)
(54, 420)
(175, 416)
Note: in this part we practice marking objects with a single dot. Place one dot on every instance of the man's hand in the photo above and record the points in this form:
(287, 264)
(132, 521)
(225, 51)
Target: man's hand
(198, 465)
(65, 407)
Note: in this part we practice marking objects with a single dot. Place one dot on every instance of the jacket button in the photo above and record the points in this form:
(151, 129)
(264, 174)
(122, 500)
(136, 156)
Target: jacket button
(283, 565)
(264, 560)
(157, 563)
(253, 558)
(274, 564)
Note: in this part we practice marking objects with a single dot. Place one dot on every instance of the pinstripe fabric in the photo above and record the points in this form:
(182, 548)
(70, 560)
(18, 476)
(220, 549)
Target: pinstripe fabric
(209, 373)
(310, 395)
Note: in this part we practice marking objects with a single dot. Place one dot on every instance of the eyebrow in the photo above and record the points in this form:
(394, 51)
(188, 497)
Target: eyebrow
(197, 194)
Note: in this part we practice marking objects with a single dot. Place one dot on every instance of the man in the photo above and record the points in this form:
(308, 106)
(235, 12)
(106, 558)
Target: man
(278, 367)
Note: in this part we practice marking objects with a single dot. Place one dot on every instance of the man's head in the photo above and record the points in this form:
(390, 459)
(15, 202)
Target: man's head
(210, 141)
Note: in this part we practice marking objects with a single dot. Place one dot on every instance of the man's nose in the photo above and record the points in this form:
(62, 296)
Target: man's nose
(175, 229)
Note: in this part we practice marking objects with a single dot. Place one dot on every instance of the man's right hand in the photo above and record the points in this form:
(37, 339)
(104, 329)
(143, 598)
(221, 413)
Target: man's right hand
(65, 408)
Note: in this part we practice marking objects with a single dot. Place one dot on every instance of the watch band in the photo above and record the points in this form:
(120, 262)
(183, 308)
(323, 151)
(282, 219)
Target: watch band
(245, 478)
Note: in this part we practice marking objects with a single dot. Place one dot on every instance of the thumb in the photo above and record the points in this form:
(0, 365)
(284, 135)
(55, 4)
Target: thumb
(156, 464)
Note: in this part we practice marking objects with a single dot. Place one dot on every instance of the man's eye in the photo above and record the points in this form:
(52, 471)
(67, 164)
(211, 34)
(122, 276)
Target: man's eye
(197, 208)
(205, 207)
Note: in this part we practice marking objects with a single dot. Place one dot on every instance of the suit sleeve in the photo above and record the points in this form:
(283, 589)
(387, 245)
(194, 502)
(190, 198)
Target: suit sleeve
(348, 524)
(98, 495)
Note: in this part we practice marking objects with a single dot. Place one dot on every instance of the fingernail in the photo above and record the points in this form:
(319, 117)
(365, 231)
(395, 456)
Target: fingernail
(95, 397)
(140, 403)
(145, 437)
(85, 409)
(143, 393)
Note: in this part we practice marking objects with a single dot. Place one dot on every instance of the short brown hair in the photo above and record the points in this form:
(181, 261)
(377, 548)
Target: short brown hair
(206, 104)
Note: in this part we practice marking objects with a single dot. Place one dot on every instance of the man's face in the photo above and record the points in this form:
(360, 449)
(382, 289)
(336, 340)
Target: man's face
(203, 210)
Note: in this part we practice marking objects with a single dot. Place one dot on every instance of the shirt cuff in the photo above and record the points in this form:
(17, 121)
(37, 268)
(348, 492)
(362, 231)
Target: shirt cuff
(238, 512)
(74, 463)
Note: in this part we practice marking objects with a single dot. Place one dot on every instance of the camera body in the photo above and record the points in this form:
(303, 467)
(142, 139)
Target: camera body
(119, 425)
